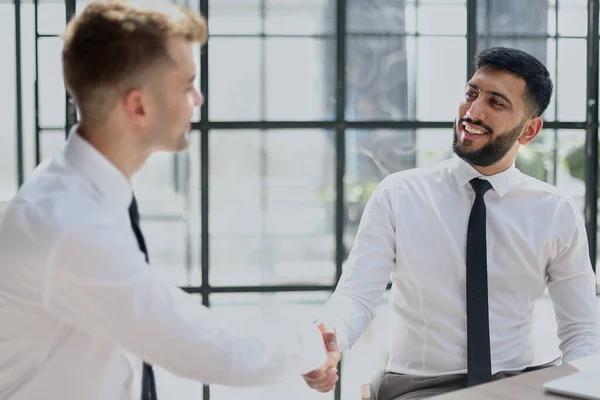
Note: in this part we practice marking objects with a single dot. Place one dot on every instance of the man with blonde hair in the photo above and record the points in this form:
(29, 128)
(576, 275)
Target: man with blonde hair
(79, 306)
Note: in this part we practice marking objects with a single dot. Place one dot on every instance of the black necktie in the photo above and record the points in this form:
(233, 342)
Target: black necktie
(479, 369)
(148, 384)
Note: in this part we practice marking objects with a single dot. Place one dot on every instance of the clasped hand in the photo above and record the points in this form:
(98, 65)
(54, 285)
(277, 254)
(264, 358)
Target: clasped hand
(324, 379)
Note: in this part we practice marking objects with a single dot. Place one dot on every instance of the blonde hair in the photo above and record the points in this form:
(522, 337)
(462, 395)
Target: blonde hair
(115, 46)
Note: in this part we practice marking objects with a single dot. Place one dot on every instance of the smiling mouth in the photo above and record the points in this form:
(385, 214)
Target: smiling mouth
(474, 131)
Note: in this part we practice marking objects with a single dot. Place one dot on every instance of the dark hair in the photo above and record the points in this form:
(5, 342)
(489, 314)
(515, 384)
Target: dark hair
(524, 65)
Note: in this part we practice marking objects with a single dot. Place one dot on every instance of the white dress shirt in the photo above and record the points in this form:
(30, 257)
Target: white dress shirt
(413, 231)
(77, 299)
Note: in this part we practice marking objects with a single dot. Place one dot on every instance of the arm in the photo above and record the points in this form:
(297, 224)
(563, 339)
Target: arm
(572, 287)
(99, 283)
(367, 271)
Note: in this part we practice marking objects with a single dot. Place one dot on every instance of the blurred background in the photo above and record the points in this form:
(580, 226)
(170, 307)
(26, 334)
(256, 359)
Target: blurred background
(309, 104)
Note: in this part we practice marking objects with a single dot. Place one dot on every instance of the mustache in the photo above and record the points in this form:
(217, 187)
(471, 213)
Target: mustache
(478, 123)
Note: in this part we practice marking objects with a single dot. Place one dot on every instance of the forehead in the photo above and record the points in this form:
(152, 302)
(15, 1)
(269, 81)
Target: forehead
(506, 83)
(182, 54)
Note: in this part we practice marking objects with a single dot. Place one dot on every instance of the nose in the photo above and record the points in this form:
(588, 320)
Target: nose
(477, 110)
(198, 98)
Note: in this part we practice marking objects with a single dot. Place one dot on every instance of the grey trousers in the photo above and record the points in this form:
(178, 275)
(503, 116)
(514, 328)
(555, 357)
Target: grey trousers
(408, 387)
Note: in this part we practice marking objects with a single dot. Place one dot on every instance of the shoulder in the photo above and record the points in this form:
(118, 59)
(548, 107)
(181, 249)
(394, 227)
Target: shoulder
(554, 195)
(53, 202)
(410, 178)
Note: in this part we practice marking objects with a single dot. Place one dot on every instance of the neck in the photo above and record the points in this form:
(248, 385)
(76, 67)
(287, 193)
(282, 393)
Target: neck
(494, 169)
(118, 146)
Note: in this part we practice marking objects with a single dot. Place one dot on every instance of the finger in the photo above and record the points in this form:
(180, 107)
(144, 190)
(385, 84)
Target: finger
(327, 386)
(322, 383)
(315, 375)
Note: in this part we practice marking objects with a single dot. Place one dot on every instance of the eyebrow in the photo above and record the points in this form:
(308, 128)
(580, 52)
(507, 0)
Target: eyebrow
(491, 92)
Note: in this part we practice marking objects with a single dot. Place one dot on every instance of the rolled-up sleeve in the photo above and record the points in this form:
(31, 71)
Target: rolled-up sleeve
(97, 282)
(572, 287)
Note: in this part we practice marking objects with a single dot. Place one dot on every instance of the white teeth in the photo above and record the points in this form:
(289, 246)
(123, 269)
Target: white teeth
(474, 131)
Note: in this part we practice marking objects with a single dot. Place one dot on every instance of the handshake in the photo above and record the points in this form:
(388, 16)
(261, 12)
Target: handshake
(323, 379)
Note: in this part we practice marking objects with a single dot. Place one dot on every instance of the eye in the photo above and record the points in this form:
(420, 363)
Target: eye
(470, 95)
(497, 103)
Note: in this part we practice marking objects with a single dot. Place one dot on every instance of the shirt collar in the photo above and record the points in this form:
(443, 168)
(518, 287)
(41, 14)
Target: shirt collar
(501, 182)
(99, 171)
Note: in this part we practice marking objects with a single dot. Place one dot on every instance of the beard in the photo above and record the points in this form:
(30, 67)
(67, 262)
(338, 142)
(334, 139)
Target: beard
(491, 152)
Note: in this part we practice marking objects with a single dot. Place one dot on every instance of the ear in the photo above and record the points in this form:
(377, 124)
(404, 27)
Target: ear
(136, 104)
(532, 128)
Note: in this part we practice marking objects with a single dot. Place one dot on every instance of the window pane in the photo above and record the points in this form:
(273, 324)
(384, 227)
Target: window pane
(379, 79)
(235, 90)
(569, 161)
(513, 17)
(380, 16)
(370, 157)
(438, 94)
(433, 146)
(168, 193)
(51, 18)
(572, 18)
(249, 307)
(296, 86)
(8, 125)
(51, 142)
(571, 85)
(52, 88)
(442, 18)
(271, 207)
(308, 17)
(234, 17)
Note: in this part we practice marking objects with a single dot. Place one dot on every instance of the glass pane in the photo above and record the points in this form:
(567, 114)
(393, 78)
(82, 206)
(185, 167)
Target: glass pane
(27, 86)
(572, 18)
(51, 142)
(249, 306)
(234, 17)
(235, 90)
(379, 78)
(168, 193)
(543, 49)
(381, 16)
(309, 17)
(271, 207)
(567, 156)
(513, 17)
(51, 18)
(433, 146)
(571, 86)
(296, 86)
(438, 94)
(371, 155)
(170, 386)
(442, 18)
(51, 85)
(8, 124)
